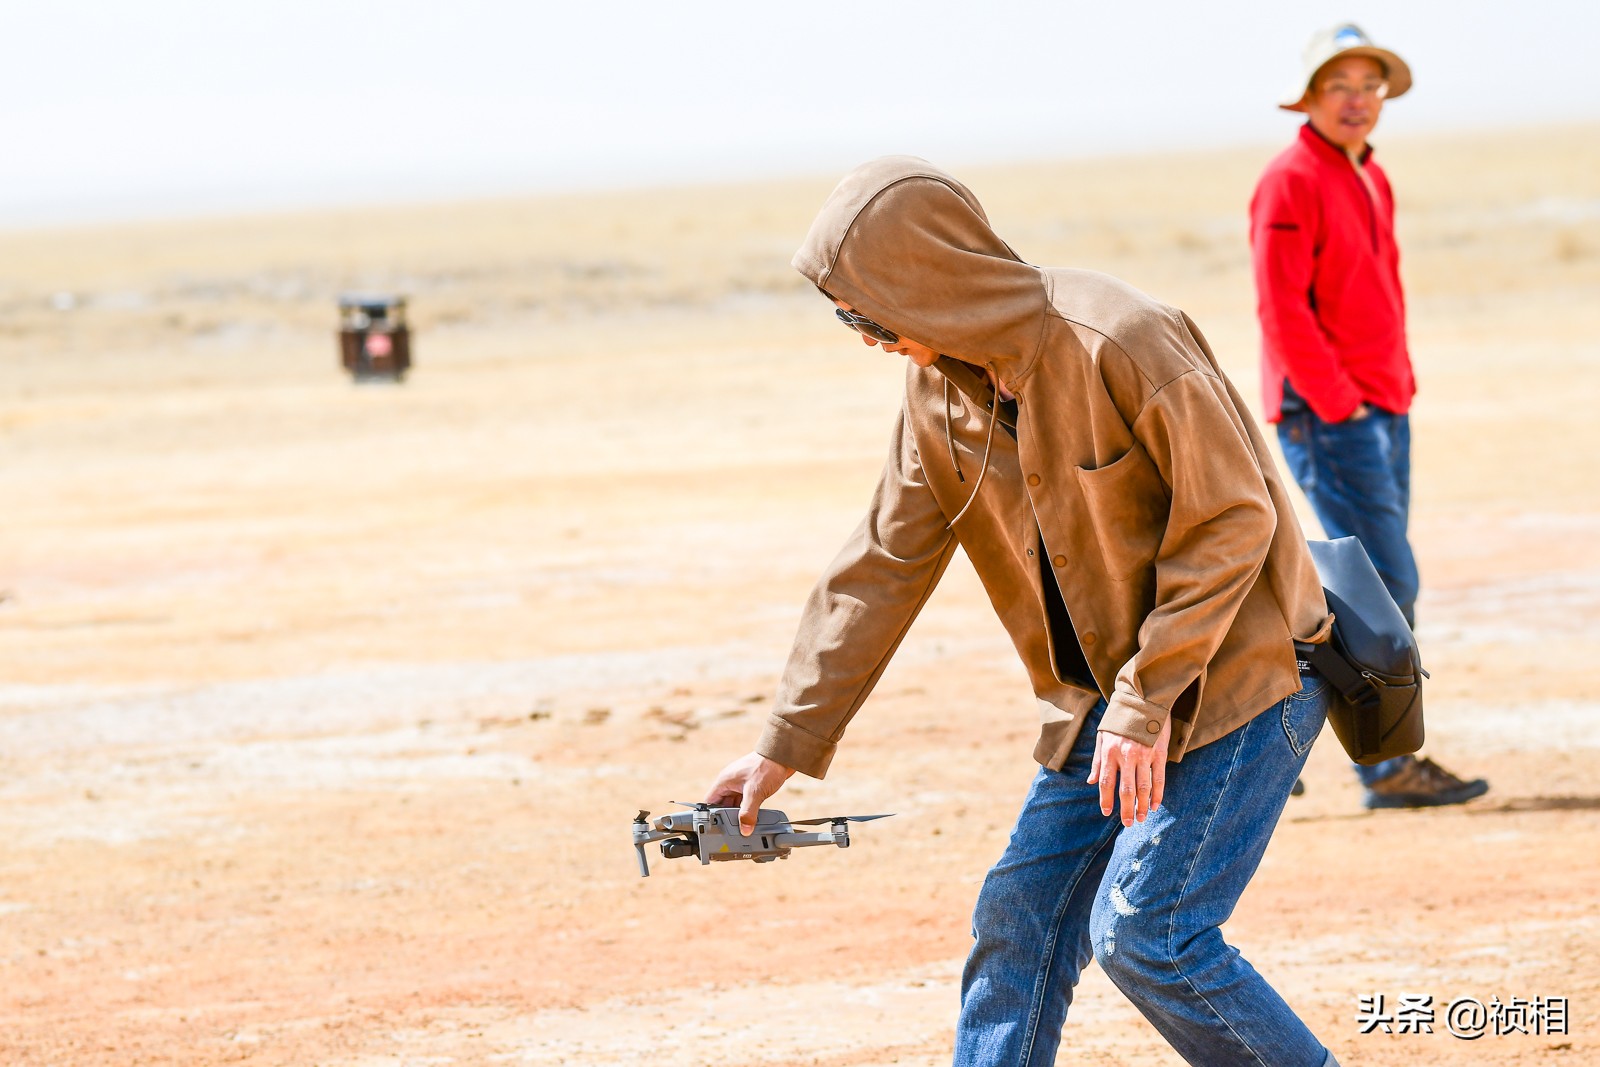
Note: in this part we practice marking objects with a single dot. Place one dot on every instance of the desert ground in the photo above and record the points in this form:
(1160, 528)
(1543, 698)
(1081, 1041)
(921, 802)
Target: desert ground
(325, 708)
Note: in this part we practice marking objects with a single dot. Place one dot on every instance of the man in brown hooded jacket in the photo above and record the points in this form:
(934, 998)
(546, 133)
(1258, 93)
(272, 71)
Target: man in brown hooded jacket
(1135, 539)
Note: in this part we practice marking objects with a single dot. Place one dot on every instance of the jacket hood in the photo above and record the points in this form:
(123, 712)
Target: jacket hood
(910, 247)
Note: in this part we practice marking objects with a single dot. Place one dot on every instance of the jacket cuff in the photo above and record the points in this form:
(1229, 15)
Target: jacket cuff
(785, 743)
(1134, 717)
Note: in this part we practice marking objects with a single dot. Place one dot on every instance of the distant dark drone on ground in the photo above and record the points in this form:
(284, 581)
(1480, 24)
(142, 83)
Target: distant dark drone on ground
(713, 834)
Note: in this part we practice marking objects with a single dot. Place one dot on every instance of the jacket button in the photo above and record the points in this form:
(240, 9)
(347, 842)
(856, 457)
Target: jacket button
(1089, 638)
(1059, 561)
(1033, 479)
(1152, 727)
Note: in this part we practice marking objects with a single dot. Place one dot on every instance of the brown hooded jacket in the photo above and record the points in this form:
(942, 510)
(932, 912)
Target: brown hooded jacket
(1130, 461)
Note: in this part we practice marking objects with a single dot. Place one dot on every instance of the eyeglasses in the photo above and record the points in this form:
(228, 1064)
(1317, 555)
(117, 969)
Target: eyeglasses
(866, 327)
(1375, 89)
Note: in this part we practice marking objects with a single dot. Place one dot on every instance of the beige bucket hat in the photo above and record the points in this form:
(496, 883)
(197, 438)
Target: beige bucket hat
(1345, 39)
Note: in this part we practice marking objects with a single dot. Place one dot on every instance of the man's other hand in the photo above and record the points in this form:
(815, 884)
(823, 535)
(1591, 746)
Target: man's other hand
(1131, 772)
(748, 781)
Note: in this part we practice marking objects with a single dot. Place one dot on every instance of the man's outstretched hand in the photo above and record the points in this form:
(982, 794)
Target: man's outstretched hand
(748, 781)
(1131, 773)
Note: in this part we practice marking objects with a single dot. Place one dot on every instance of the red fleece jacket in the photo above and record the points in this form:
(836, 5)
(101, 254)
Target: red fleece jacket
(1333, 316)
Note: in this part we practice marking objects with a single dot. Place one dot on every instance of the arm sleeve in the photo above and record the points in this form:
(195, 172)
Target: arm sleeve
(1284, 221)
(858, 613)
(1218, 531)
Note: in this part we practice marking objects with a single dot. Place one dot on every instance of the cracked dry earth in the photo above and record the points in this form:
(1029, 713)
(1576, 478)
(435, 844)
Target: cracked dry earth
(324, 709)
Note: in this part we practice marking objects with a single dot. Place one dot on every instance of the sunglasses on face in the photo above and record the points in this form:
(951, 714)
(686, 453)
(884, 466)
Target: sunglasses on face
(866, 327)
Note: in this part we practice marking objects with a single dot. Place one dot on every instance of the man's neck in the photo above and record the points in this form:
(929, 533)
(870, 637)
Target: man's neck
(1357, 154)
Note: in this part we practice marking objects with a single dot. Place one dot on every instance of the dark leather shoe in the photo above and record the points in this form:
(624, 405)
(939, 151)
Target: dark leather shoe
(1422, 783)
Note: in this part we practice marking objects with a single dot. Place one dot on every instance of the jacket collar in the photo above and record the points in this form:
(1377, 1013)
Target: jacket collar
(974, 385)
(1310, 135)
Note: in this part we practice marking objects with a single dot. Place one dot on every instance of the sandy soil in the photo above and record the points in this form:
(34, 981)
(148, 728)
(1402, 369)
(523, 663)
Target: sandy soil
(324, 708)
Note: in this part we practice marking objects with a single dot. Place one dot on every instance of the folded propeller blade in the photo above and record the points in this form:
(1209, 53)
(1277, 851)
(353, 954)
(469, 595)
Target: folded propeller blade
(838, 818)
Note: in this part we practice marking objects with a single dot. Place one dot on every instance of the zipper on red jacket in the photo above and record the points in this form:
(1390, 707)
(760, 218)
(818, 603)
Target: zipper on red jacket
(1372, 205)
(1366, 190)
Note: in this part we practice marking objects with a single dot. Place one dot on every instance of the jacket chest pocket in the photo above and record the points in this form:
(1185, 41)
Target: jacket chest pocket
(1127, 506)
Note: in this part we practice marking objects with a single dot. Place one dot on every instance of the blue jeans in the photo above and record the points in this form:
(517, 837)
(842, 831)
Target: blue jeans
(1146, 901)
(1357, 476)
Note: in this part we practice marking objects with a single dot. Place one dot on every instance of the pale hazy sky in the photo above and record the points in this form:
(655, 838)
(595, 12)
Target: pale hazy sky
(122, 108)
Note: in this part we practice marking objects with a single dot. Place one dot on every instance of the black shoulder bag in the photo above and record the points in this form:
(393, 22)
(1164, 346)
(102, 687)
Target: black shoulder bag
(1371, 657)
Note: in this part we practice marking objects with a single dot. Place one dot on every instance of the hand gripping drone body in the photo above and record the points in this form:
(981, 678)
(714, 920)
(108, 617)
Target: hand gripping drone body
(713, 834)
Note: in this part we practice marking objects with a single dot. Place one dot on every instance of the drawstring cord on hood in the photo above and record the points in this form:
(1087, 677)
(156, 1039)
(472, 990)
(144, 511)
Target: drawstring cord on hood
(949, 438)
(988, 440)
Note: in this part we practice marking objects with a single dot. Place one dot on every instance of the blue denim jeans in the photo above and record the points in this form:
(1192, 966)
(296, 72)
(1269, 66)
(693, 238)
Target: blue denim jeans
(1357, 476)
(1146, 901)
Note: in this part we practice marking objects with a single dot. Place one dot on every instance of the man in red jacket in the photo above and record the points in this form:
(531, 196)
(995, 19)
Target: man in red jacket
(1335, 371)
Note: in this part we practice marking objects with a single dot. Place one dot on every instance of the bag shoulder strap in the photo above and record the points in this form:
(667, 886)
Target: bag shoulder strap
(1352, 684)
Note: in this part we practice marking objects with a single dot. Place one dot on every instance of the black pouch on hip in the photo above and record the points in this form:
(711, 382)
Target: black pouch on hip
(1371, 657)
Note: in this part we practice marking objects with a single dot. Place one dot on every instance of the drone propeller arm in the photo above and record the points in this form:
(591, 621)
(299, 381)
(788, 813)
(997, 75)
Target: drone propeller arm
(799, 839)
(642, 838)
